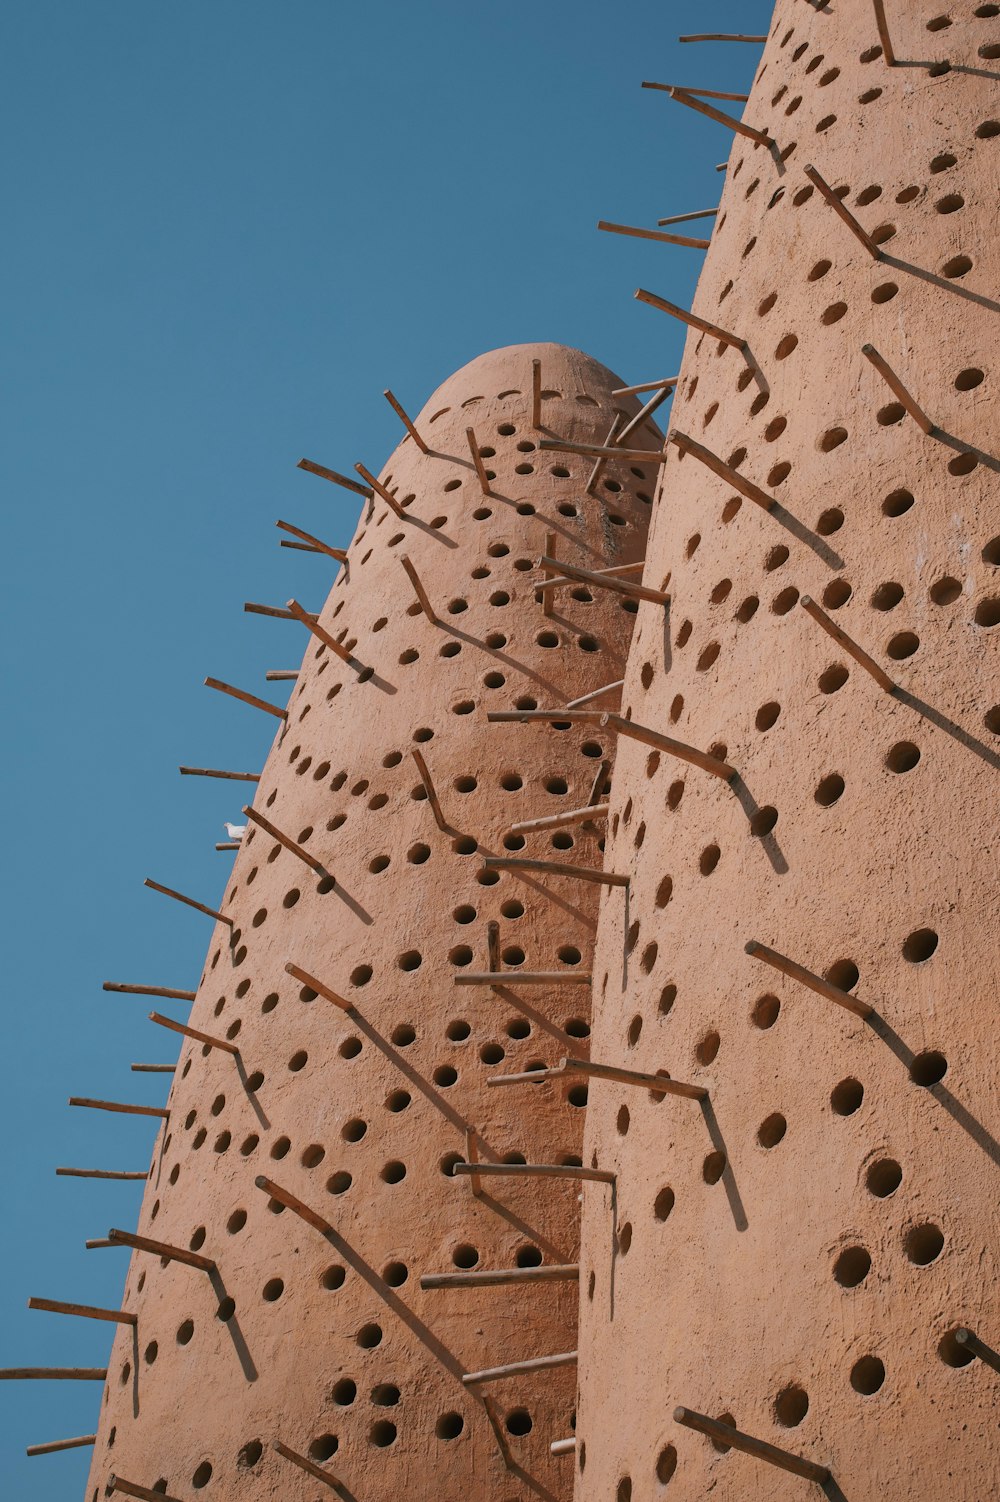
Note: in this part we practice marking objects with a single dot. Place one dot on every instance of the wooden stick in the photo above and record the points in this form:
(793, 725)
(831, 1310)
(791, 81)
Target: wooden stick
(227, 844)
(898, 389)
(719, 467)
(239, 693)
(320, 632)
(120, 1107)
(601, 780)
(380, 489)
(602, 451)
(407, 424)
(192, 1032)
(114, 985)
(314, 542)
(692, 319)
(646, 385)
(153, 1069)
(652, 234)
(685, 219)
(536, 393)
(278, 612)
(847, 644)
(334, 475)
(280, 675)
(721, 36)
(188, 901)
(55, 1373)
(161, 1249)
(494, 1277)
(536, 1171)
(673, 748)
(563, 1447)
(844, 212)
(883, 33)
(291, 1202)
(597, 470)
(493, 945)
(418, 589)
(61, 1444)
(550, 549)
(133, 1489)
(305, 979)
(605, 581)
(807, 978)
(327, 1477)
(557, 580)
(97, 1173)
(596, 693)
(556, 821)
(86, 1311)
(477, 459)
(523, 978)
(685, 96)
(90, 1245)
(432, 797)
(215, 772)
(517, 1368)
(662, 1084)
(555, 868)
(284, 839)
(671, 88)
(302, 547)
(726, 1434)
(529, 1077)
(971, 1342)
(645, 411)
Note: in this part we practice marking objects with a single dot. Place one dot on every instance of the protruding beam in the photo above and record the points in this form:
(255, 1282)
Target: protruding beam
(725, 1434)
(493, 945)
(692, 319)
(407, 424)
(604, 581)
(674, 88)
(563, 1447)
(686, 219)
(418, 589)
(652, 234)
(279, 612)
(188, 901)
(557, 821)
(382, 490)
(280, 675)
(970, 1342)
(320, 632)
(536, 393)
(722, 469)
(310, 1468)
(527, 1077)
(601, 782)
(597, 693)
(153, 1069)
(523, 978)
(291, 1202)
(602, 451)
(477, 459)
(314, 542)
(53, 1373)
(685, 96)
(644, 412)
(251, 699)
(161, 1249)
(172, 995)
(896, 386)
(98, 1173)
(670, 746)
(844, 212)
(62, 1444)
(428, 786)
(334, 475)
(216, 772)
(227, 844)
(670, 381)
(497, 1276)
(555, 868)
(284, 839)
(120, 1107)
(300, 547)
(85, 1311)
(519, 1368)
(192, 1032)
(722, 36)
(661, 1084)
(133, 1489)
(305, 979)
(847, 643)
(883, 33)
(535, 1171)
(806, 977)
(592, 479)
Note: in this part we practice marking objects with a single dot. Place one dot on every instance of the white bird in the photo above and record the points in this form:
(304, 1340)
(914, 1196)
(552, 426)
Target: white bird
(235, 831)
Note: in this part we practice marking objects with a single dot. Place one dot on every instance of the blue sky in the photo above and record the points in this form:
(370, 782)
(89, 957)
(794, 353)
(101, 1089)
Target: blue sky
(228, 227)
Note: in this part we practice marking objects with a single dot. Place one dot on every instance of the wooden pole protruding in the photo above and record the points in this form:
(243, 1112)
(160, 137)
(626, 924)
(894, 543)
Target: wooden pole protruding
(216, 772)
(806, 977)
(281, 675)
(638, 233)
(153, 1069)
(661, 1084)
(300, 547)
(847, 643)
(85, 1311)
(971, 1342)
(602, 451)
(314, 542)
(133, 1489)
(727, 1435)
(673, 748)
(686, 219)
(693, 320)
(320, 632)
(536, 1171)
(120, 1107)
(161, 1249)
(98, 1173)
(883, 33)
(407, 424)
(670, 381)
(685, 96)
(429, 789)
(477, 459)
(597, 693)
(721, 468)
(594, 476)
(305, 979)
(62, 1444)
(497, 1276)
(309, 1466)
(563, 1447)
(291, 1202)
(722, 36)
(645, 411)
(284, 839)
(669, 88)
(167, 991)
(418, 589)
(536, 393)
(227, 844)
(556, 868)
(251, 699)
(493, 944)
(53, 1373)
(601, 782)
(382, 490)
(334, 475)
(528, 1077)
(897, 388)
(192, 1032)
(188, 901)
(523, 978)
(601, 580)
(557, 821)
(519, 1368)
(278, 612)
(845, 214)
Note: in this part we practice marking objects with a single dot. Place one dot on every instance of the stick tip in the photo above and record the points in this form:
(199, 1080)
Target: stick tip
(680, 1414)
(751, 946)
(260, 1182)
(805, 601)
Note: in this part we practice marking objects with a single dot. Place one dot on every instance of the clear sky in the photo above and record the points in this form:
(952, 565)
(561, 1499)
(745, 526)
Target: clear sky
(228, 226)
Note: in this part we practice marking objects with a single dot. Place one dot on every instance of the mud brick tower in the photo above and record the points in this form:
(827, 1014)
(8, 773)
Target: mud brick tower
(811, 929)
(354, 966)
